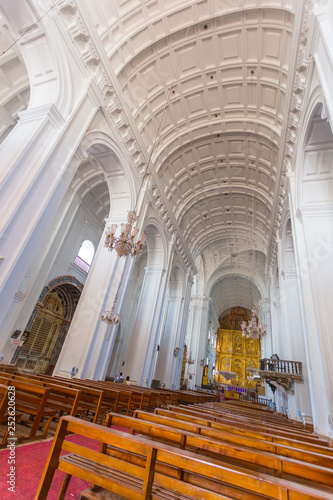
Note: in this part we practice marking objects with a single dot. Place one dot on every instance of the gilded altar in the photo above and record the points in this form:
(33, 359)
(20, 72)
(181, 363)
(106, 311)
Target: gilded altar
(234, 352)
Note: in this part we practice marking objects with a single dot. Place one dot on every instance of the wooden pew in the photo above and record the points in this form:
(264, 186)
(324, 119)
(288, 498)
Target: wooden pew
(244, 412)
(32, 400)
(95, 399)
(68, 398)
(272, 434)
(244, 409)
(4, 412)
(231, 454)
(286, 428)
(158, 470)
(204, 429)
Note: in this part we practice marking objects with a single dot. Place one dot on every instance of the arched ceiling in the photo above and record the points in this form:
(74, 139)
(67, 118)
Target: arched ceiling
(90, 185)
(206, 88)
(205, 84)
(233, 291)
(239, 280)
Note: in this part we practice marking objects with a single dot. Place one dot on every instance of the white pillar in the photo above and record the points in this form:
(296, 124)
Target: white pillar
(164, 365)
(142, 350)
(28, 207)
(266, 343)
(168, 368)
(294, 328)
(314, 231)
(89, 341)
(180, 340)
(197, 334)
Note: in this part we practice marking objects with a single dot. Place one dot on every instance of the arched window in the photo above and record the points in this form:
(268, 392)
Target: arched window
(85, 256)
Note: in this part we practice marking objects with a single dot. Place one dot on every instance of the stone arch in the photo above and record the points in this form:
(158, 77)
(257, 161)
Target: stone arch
(314, 177)
(46, 64)
(48, 325)
(156, 243)
(177, 280)
(288, 263)
(101, 148)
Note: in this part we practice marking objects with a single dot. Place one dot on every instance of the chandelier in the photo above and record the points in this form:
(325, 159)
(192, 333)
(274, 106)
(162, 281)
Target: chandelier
(253, 330)
(124, 244)
(109, 317)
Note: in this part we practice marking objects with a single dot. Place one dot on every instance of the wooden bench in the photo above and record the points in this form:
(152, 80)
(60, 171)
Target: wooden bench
(248, 410)
(4, 412)
(214, 446)
(63, 399)
(157, 471)
(204, 429)
(94, 399)
(286, 428)
(254, 431)
(89, 403)
(32, 400)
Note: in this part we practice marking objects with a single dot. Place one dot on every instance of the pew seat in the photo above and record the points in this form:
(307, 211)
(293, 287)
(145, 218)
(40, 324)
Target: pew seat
(157, 470)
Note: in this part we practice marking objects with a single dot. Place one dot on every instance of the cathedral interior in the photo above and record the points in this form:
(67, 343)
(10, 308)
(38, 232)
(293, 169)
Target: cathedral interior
(210, 121)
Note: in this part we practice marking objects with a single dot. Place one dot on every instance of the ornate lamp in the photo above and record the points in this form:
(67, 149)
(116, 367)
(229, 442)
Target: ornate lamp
(252, 329)
(124, 244)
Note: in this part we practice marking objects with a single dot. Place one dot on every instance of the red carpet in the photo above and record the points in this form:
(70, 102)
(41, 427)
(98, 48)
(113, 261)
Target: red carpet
(30, 462)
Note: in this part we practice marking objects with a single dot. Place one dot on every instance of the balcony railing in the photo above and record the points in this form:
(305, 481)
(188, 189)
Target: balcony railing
(292, 368)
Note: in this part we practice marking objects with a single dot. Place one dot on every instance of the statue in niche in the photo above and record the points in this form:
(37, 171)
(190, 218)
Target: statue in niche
(225, 342)
(250, 346)
(237, 367)
(53, 303)
(238, 343)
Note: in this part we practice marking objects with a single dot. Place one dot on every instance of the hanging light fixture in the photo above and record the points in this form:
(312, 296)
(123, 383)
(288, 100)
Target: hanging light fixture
(124, 244)
(109, 317)
(253, 330)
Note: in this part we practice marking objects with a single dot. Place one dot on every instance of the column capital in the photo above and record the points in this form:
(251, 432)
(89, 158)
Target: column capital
(265, 305)
(47, 110)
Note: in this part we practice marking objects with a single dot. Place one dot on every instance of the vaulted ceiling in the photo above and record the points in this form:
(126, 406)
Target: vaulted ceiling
(207, 85)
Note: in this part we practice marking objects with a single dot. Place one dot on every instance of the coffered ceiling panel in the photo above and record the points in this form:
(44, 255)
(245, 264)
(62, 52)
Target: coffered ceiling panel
(206, 84)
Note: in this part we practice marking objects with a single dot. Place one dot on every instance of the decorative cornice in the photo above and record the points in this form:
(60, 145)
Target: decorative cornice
(301, 78)
(92, 57)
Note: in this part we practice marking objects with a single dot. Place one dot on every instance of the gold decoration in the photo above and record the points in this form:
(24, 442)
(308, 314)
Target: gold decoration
(241, 353)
